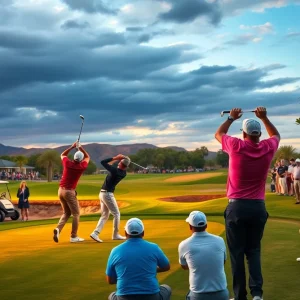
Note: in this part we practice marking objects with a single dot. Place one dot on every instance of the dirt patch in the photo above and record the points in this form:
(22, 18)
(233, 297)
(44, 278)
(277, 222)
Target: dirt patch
(192, 177)
(52, 209)
(192, 198)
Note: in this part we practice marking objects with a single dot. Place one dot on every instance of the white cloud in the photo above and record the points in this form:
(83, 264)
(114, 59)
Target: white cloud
(266, 28)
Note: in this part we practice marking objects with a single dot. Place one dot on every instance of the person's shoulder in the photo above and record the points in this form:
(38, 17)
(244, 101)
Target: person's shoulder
(216, 237)
(185, 243)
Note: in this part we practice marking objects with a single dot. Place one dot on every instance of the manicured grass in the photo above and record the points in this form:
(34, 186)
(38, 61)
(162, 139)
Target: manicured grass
(34, 267)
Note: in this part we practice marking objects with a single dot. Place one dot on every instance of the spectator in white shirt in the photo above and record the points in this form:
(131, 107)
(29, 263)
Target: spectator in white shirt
(296, 179)
(204, 255)
(289, 180)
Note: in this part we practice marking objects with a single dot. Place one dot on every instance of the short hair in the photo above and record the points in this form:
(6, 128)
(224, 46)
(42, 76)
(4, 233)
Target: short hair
(199, 229)
(292, 159)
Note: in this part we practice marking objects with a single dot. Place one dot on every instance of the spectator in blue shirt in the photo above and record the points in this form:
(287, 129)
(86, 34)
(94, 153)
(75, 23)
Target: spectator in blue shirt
(204, 255)
(133, 266)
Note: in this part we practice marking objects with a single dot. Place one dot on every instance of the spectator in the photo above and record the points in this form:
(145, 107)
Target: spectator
(296, 179)
(23, 204)
(204, 255)
(281, 172)
(246, 215)
(289, 180)
(133, 266)
(67, 190)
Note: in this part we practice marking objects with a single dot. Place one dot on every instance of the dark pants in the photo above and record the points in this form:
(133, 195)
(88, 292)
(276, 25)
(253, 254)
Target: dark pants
(245, 222)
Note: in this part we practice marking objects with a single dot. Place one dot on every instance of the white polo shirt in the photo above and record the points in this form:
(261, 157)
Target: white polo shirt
(296, 172)
(291, 169)
(204, 254)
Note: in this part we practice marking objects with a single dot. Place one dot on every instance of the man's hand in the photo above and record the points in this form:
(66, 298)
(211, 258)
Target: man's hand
(74, 145)
(78, 145)
(261, 112)
(120, 156)
(236, 113)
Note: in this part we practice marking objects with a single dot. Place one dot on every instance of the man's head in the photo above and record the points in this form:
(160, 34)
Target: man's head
(134, 228)
(197, 221)
(292, 161)
(297, 161)
(78, 156)
(251, 129)
(124, 163)
(282, 162)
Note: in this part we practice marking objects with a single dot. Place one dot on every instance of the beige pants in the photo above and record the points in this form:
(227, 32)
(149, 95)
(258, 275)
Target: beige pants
(297, 189)
(283, 186)
(70, 207)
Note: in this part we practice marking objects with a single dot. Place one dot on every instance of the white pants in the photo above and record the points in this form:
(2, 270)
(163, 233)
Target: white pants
(297, 189)
(108, 204)
(283, 186)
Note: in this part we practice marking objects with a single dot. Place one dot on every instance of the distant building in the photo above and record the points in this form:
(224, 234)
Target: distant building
(10, 166)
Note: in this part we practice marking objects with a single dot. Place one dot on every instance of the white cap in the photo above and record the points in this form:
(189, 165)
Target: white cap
(134, 226)
(251, 127)
(197, 219)
(78, 156)
(126, 161)
(297, 160)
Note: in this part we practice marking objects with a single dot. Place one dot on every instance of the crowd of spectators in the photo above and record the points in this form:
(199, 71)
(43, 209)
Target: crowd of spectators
(32, 175)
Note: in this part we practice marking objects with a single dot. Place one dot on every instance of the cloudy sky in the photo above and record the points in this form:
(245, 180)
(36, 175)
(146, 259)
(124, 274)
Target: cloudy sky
(153, 71)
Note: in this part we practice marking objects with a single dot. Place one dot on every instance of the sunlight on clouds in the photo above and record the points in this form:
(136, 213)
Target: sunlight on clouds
(128, 8)
(59, 8)
(33, 112)
(272, 4)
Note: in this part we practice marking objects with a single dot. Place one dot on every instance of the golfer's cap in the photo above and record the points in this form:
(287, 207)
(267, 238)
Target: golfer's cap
(134, 226)
(251, 127)
(297, 160)
(196, 219)
(126, 161)
(78, 156)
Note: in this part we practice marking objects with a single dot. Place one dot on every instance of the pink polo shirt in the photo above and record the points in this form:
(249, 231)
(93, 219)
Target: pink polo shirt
(249, 164)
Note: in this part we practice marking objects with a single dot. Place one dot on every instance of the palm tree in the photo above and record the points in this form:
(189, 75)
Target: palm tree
(20, 160)
(286, 152)
(298, 121)
(49, 159)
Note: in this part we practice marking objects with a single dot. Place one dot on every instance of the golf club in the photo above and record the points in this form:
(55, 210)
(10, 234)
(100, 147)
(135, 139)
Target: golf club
(139, 165)
(228, 111)
(82, 118)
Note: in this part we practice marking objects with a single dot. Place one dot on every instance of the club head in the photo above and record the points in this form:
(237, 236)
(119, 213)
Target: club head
(222, 113)
(81, 117)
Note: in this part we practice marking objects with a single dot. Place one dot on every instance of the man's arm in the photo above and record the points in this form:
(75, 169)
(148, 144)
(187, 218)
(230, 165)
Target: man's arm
(111, 280)
(261, 113)
(106, 163)
(235, 113)
(185, 267)
(66, 152)
(164, 269)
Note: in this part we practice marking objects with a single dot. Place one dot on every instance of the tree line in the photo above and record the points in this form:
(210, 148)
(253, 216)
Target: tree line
(49, 162)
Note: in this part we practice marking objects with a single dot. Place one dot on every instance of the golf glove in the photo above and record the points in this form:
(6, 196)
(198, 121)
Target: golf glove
(78, 145)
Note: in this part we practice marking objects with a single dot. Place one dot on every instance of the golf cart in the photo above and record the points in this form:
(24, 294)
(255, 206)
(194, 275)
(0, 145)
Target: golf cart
(7, 209)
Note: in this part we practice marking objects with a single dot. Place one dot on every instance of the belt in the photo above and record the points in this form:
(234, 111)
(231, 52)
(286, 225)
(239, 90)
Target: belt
(297, 179)
(243, 200)
(105, 191)
(62, 187)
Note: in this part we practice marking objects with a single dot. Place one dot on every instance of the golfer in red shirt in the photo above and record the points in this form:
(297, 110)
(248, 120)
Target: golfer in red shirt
(67, 190)
(246, 215)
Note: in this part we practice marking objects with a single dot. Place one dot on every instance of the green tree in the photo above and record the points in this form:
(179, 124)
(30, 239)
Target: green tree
(92, 168)
(210, 163)
(21, 161)
(285, 152)
(197, 158)
(298, 121)
(204, 150)
(33, 162)
(49, 159)
(7, 157)
(222, 158)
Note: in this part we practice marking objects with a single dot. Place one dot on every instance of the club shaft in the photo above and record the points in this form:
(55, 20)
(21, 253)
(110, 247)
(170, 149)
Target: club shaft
(138, 165)
(243, 111)
(80, 130)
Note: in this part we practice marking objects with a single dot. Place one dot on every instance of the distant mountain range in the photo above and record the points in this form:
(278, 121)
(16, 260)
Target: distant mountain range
(96, 151)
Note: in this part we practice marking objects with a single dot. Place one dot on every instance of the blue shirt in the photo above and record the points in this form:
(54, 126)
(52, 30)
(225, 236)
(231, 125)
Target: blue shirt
(134, 264)
(204, 254)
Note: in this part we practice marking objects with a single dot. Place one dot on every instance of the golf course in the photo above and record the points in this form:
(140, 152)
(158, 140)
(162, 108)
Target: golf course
(34, 267)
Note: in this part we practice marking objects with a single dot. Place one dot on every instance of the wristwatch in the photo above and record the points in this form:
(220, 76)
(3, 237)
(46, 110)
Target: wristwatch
(230, 118)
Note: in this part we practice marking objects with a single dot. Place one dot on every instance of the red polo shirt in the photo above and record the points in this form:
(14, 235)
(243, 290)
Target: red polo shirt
(71, 173)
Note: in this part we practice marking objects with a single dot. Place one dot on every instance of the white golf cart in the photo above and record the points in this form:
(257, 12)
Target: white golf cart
(7, 209)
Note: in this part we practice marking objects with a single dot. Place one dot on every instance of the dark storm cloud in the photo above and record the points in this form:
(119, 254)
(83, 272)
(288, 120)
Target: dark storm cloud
(183, 11)
(70, 24)
(91, 6)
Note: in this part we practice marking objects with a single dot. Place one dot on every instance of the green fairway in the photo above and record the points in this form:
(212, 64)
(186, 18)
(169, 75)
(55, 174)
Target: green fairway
(34, 267)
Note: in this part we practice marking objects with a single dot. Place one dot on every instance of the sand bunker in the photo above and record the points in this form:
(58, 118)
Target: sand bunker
(52, 209)
(192, 198)
(192, 177)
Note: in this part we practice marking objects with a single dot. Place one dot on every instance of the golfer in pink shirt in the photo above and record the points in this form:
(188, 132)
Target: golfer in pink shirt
(246, 215)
